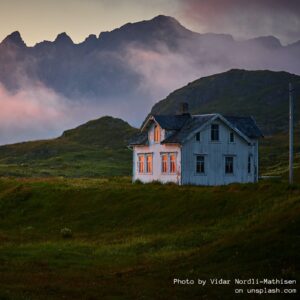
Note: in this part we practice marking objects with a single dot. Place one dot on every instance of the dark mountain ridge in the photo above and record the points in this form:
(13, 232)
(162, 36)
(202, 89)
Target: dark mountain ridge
(262, 94)
(92, 66)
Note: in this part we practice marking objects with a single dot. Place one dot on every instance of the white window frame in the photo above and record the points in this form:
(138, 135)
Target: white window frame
(169, 163)
(145, 164)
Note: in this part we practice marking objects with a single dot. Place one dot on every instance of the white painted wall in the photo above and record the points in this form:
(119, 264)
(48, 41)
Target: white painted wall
(157, 149)
(215, 153)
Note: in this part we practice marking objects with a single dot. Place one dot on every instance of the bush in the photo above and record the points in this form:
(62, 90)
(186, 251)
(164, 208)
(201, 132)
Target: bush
(66, 233)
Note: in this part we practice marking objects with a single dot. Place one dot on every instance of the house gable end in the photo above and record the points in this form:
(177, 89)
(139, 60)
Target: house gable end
(209, 122)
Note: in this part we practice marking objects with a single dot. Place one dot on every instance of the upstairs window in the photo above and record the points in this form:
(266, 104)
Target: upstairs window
(164, 163)
(229, 165)
(214, 132)
(156, 134)
(197, 136)
(172, 163)
(200, 164)
(231, 137)
(141, 163)
(149, 163)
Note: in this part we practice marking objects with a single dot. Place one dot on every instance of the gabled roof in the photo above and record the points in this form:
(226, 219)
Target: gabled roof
(182, 126)
(192, 124)
(168, 122)
(247, 125)
(139, 139)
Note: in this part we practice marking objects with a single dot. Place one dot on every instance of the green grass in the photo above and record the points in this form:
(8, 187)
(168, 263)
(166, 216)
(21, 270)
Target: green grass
(96, 148)
(130, 240)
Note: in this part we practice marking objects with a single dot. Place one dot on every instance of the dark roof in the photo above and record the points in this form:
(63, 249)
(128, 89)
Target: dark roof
(192, 124)
(139, 139)
(171, 122)
(181, 126)
(246, 125)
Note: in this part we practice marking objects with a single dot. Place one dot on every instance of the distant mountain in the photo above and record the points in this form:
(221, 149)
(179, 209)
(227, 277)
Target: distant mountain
(136, 64)
(262, 94)
(56, 84)
(96, 148)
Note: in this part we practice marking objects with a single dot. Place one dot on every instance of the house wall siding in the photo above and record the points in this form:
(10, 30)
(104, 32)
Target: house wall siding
(215, 153)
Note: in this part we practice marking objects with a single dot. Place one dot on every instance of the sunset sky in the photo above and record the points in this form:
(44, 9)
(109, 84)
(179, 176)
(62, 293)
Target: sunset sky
(39, 20)
(42, 111)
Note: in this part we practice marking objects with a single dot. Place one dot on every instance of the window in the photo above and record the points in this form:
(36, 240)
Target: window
(197, 136)
(168, 163)
(229, 165)
(172, 163)
(164, 163)
(214, 132)
(141, 163)
(145, 163)
(149, 163)
(156, 134)
(249, 163)
(200, 167)
(231, 137)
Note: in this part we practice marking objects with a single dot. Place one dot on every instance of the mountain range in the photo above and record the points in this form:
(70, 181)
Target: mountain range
(132, 66)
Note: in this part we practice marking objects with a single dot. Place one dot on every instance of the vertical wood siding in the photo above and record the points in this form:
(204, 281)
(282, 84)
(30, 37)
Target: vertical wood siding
(215, 153)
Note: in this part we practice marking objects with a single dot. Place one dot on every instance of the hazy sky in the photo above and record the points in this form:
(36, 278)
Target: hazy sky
(39, 20)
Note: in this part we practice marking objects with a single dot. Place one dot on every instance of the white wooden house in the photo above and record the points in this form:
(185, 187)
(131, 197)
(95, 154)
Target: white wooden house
(208, 149)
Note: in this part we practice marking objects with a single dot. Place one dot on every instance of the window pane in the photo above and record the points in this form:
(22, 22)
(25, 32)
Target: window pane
(164, 163)
(149, 163)
(200, 168)
(249, 164)
(156, 133)
(198, 136)
(214, 132)
(172, 163)
(141, 164)
(231, 138)
(229, 165)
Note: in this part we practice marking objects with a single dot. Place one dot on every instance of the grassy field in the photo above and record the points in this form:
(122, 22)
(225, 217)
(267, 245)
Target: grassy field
(96, 148)
(129, 241)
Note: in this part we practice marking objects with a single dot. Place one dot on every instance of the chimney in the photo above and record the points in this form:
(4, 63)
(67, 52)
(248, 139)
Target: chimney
(183, 108)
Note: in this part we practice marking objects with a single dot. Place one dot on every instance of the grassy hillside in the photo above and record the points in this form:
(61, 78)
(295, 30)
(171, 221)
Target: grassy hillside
(97, 148)
(262, 94)
(130, 241)
(274, 155)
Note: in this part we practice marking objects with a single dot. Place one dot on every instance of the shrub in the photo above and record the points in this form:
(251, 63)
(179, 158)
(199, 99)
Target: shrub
(66, 233)
(137, 181)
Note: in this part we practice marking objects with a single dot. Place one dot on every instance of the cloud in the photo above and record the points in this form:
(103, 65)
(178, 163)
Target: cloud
(244, 18)
(37, 112)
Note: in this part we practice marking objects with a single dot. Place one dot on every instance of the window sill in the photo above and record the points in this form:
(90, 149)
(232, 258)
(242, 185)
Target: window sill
(215, 142)
(200, 174)
(144, 173)
(168, 173)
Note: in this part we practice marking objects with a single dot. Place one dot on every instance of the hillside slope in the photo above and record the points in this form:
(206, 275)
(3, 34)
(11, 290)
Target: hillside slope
(96, 148)
(262, 94)
(131, 240)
